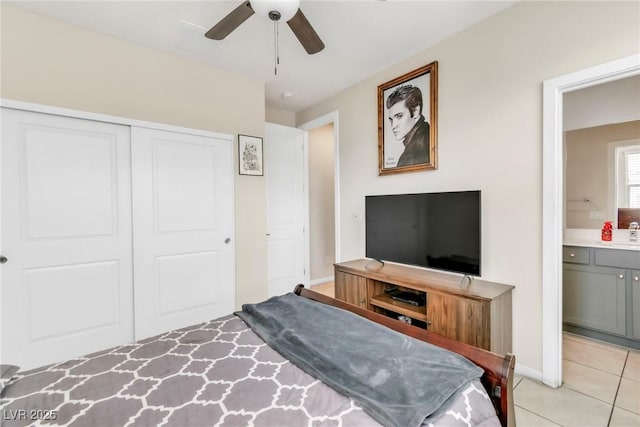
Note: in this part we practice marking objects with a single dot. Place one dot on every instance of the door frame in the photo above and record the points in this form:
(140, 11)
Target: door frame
(329, 118)
(553, 200)
(78, 114)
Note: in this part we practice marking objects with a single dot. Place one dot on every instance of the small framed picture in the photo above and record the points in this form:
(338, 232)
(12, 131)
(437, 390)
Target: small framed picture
(250, 155)
(408, 122)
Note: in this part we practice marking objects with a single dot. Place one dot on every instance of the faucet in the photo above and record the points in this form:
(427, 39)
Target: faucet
(633, 231)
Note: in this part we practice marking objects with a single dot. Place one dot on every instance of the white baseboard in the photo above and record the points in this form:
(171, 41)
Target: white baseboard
(321, 280)
(528, 372)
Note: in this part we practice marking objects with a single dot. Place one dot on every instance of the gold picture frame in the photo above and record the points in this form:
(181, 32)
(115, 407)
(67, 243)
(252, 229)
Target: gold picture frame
(407, 133)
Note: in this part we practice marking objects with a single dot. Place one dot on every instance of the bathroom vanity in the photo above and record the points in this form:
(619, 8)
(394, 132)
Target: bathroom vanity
(601, 290)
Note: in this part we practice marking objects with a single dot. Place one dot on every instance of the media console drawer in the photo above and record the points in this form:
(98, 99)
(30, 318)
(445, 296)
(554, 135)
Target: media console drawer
(478, 314)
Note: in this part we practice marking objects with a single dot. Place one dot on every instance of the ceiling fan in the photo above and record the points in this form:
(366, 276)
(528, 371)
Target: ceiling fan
(276, 10)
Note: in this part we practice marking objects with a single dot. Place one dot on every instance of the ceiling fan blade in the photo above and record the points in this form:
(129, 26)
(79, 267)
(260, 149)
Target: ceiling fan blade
(305, 33)
(230, 22)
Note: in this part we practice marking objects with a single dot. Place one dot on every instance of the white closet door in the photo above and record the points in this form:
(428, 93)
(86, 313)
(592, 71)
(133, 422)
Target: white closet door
(183, 238)
(286, 256)
(66, 231)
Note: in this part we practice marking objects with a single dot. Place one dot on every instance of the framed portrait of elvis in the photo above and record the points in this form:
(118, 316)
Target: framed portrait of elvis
(408, 121)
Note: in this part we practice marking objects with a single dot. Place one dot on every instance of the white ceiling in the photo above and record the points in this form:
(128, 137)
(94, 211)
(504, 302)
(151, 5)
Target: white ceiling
(361, 37)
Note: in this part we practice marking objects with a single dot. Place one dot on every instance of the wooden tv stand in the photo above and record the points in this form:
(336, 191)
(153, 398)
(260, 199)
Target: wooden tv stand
(478, 313)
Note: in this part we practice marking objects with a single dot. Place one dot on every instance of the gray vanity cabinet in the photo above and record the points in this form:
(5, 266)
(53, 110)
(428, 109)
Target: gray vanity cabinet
(635, 298)
(594, 297)
(601, 294)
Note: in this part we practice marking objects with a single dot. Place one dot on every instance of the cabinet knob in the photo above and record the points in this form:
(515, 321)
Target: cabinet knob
(572, 255)
(636, 278)
(621, 276)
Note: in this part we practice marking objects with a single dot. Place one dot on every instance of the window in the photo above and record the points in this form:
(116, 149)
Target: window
(629, 177)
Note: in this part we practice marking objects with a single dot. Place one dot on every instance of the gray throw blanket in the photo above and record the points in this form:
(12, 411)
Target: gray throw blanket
(398, 380)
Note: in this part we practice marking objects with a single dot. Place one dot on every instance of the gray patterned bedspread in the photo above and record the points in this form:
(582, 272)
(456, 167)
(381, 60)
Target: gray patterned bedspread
(398, 380)
(213, 374)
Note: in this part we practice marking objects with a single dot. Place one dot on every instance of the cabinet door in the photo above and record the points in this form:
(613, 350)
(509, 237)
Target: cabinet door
(594, 297)
(461, 319)
(635, 295)
(351, 288)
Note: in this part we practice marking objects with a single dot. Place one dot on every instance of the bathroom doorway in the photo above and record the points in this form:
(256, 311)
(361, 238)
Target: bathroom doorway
(553, 199)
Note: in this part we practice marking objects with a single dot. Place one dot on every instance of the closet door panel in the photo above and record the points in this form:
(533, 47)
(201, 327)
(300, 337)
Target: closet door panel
(67, 288)
(183, 229)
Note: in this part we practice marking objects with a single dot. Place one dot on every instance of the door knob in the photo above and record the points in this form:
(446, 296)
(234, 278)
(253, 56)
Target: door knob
(3, 259)
(227, 240)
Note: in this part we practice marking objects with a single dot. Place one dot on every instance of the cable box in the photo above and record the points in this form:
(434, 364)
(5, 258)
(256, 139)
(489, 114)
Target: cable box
(409, 298)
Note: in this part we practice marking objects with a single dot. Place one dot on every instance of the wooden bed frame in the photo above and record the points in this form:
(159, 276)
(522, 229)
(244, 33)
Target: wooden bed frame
(498, 369)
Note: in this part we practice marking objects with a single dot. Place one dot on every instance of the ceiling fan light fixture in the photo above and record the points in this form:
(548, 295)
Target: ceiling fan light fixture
(271, 8)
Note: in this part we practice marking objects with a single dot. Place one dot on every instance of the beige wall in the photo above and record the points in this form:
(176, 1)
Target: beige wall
(280, 117)
(587, 171)
(48, 62)
(321, 202)
(489, 133)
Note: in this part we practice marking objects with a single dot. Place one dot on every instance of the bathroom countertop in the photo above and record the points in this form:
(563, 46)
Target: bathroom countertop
(591, 239)
(629, 246)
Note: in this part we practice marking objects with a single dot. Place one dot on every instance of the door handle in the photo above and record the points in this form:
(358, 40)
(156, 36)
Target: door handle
(3, 259)
(227, 240)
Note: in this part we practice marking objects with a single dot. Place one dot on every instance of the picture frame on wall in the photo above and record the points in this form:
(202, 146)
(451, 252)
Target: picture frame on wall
(408, 122)
(250, 155)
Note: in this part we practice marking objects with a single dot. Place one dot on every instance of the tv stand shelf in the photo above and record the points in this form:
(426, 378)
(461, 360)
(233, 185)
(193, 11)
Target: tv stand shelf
(385, 301)
(478, 314)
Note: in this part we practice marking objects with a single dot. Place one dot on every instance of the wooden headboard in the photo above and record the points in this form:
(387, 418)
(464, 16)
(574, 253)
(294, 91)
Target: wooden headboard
(498, 369)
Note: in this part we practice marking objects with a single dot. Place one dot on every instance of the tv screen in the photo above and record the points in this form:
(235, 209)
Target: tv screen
(434, 230)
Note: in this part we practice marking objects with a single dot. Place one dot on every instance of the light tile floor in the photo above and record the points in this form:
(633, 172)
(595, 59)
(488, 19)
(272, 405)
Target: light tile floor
(601, 386)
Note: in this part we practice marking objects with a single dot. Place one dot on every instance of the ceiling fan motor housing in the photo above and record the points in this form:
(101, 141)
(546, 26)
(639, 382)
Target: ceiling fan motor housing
(276, 9)
(274, 15)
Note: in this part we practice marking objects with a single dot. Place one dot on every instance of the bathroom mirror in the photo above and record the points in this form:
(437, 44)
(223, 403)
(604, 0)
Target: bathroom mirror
(602, 155)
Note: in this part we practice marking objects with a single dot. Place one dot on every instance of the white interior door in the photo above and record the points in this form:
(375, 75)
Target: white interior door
(286, 211)
(66, 231)
(184, 251)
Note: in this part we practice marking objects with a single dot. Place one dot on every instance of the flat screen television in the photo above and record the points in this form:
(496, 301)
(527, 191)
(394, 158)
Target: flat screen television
(433, 230)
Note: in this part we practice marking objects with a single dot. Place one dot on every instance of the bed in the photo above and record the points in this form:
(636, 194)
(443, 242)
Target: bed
(327, 363)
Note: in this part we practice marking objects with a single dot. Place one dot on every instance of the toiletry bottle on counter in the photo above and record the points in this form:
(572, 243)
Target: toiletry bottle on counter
(607, 231)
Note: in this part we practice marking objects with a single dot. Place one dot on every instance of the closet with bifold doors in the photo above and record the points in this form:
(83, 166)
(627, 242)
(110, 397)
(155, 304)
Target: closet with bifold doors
(114, 230)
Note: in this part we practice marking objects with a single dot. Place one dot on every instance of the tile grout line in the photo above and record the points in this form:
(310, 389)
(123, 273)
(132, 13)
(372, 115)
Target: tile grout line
(596, 343)
(615, 398)
(598, 369)
(538, 415)
(594, 397)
